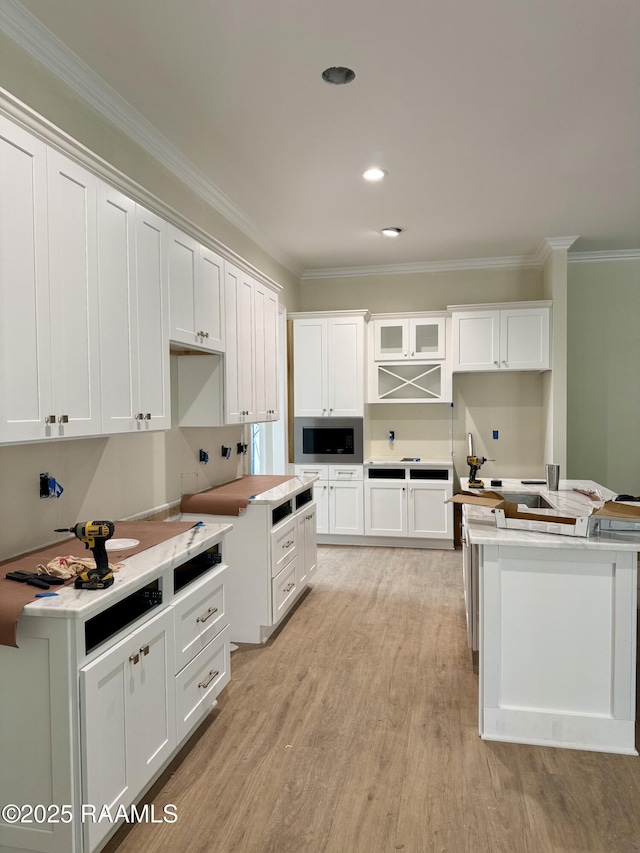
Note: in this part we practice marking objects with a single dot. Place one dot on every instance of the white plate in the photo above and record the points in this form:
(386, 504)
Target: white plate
(121, 544)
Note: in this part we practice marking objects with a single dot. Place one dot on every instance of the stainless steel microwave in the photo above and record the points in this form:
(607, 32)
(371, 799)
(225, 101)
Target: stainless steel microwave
(319, 440)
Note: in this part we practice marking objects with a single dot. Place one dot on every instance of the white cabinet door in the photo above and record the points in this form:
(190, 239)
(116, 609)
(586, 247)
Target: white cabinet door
(310, 368)
(307, 544)
(385, 508)
(118, 309)
(266, 353)
(73, 293)
(127, 718)
(321, 497)
(345, 508)
(183, 271)
(429, 516)
(25, 362)
(399, 339)
(209, 299)
(152, 321)
(524, 339)
(239, 357)
(346, 367)
(476, 340)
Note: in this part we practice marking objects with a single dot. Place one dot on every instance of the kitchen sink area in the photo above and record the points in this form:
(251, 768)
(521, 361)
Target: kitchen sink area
(532, 500)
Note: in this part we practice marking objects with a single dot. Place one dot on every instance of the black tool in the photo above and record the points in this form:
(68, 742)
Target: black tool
(94, 534)
(41, 584)
(25, 577)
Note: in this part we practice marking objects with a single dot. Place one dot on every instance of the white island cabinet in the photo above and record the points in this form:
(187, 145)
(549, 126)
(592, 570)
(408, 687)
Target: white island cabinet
(556, 628)
(272, 549)
(106, 686)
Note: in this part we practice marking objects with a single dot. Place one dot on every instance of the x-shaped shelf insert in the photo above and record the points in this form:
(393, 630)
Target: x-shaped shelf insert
(414, 381)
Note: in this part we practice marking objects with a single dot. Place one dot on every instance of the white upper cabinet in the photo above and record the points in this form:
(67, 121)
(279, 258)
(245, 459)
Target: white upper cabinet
(251, 359)
(329, 358)
(266, 352)
(48, 291)
(132, 251)
(408, 338)
(501, 338)
(196, 294)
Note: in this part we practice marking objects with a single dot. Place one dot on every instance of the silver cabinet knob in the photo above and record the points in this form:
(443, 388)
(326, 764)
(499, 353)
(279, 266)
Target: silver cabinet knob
(50, 419)
(63, 419)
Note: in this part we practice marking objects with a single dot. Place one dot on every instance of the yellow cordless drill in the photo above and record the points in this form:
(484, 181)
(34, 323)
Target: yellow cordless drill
(94, 534)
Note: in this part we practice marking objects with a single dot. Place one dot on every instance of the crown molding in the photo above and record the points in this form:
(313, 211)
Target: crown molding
(550, 244)
(46, 49)
(517, 261)
(598, 257)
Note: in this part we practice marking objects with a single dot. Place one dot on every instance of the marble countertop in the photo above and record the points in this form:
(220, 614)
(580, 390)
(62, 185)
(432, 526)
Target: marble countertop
(482, 528)
(284, 490)
(137, 571)
(410, 463)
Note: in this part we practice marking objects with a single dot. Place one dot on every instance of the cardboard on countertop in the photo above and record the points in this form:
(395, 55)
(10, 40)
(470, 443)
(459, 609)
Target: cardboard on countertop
(494, 500)
(616, 509)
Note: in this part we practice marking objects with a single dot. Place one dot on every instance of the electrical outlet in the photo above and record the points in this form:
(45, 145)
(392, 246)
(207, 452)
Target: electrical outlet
(44, 485)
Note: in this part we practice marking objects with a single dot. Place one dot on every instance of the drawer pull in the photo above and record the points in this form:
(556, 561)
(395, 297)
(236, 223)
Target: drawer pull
(289, 587)
(144, 650)
(209, 613)
(213, 673)
(288, 543)
(134, 658)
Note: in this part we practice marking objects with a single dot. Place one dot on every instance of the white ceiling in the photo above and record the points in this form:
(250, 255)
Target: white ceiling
(499, 122)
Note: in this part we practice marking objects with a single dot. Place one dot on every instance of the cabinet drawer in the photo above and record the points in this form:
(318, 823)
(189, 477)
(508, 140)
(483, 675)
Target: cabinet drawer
(200, 614)
(284, 544)
(346, 472)
(319, 471)
(200, 682)
(284, 589)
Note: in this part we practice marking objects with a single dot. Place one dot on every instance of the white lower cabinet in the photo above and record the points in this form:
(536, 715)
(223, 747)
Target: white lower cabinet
(109, 697)
(127, 719)
(409, 502)
(339, 498)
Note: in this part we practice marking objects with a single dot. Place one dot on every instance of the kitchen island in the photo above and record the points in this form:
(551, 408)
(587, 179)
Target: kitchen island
(556, 626)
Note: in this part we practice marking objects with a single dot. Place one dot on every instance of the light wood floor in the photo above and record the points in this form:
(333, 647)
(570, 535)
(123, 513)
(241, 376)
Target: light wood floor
(355, 731)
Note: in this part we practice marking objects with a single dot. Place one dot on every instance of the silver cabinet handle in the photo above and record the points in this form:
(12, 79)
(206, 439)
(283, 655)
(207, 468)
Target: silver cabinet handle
(206, 334)
(212, 674)
(63, 419)
(207, 615)
(144, 650)
(412, 353)
(139, 416)
(504, 362)
(50, 419)
(147, 417)
(497, 363)
(287, 544)
(134, 658)
(289, 587)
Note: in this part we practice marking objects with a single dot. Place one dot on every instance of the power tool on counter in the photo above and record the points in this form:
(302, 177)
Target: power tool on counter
(475, 463)
(94, 534)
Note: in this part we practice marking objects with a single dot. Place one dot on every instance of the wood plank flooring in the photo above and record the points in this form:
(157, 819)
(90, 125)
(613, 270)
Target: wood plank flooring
(355, 730)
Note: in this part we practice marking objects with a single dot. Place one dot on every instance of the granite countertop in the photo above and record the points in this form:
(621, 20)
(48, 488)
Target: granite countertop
(137, 571)
(482, 528)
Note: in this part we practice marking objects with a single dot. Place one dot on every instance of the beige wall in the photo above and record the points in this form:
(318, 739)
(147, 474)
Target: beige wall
(420, 291)
(603, 373)
(510, 403)
(118, 476)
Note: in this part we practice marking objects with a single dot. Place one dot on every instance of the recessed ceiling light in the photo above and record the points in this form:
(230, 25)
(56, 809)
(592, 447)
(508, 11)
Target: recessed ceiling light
(338, 75)
(374, 174)
(392, 232)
